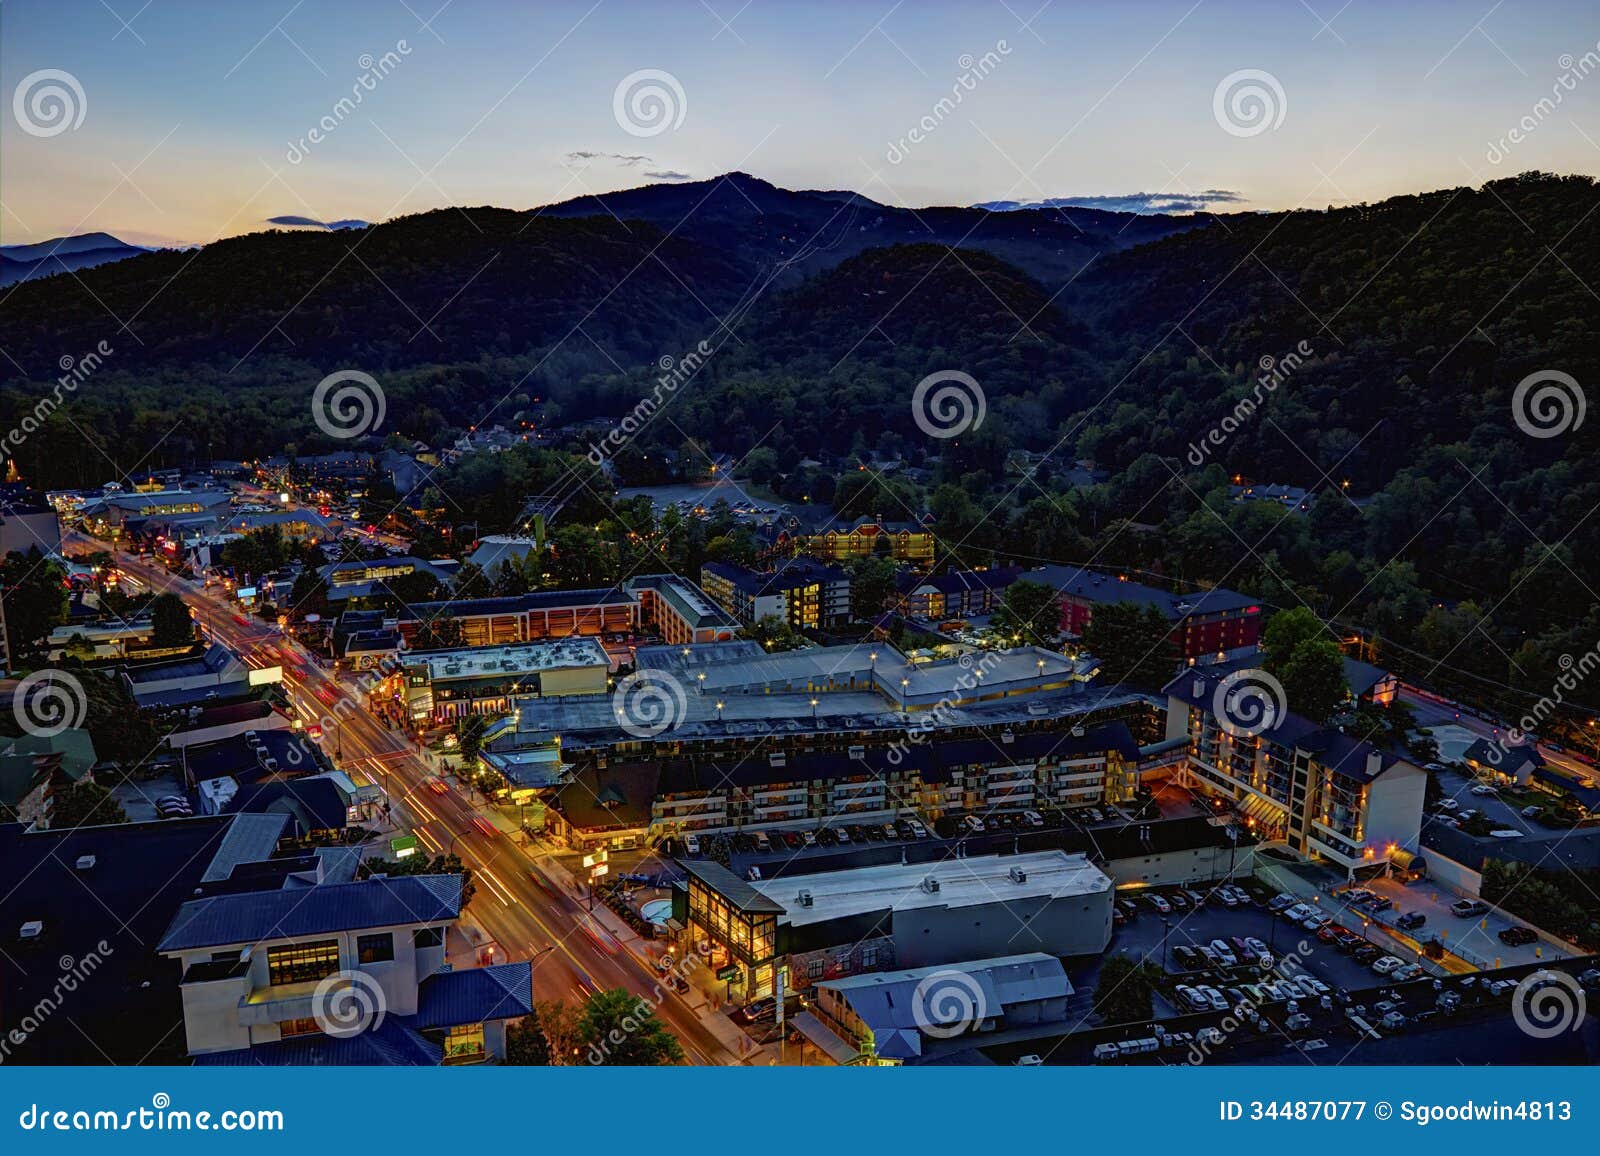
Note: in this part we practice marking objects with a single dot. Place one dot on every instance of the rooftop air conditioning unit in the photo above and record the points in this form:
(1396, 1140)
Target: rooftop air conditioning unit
(805, 898)
(1077, 732)
(32, 929)
(857, 752)
(85, 862)
(1199, 688)
(1017, 875)
(1006, 736)
(778, 759)
(930, 885)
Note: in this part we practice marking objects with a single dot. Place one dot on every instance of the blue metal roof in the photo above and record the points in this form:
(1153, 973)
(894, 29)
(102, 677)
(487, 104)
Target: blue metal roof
(391, 1044)
(257, 916)
(450, 998)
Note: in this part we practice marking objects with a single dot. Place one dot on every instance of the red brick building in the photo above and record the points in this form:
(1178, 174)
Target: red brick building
(1210, 626)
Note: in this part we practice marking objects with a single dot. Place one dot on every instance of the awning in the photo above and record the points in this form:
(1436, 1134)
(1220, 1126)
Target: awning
(824, 1037)
(1256, 807)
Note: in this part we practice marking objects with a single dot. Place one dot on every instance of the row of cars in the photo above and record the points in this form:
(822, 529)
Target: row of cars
(839, 835)
(1361, 949)
(1191, 898)
(1361, 899)
(1282, 989)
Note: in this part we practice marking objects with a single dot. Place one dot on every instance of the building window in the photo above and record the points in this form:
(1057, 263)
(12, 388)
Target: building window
(302, 962)
(464, 1042)
(375, 948)
(814, 969)
(427, 937)
(307, 1026)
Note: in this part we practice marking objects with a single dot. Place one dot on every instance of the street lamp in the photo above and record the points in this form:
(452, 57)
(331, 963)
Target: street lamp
(904, 683)
(813, 712)
(719, 712)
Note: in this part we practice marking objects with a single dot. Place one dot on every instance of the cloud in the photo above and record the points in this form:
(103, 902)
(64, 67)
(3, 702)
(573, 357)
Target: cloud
(292, 221)
(624, 160)
(666, 175)
(1187, 202)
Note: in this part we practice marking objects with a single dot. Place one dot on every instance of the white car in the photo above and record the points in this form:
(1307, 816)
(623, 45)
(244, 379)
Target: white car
(1215, 998)
(917, 829)
(1384, 964)
(1297, 913)
(843, 836)
(1193, 998)
(1033, 818)
(1159, 903)
(1224, 953)
(1448, 805)
(1408, 972)
(1483, 791)
(1259, 950)
(691, 844)
(1316, 922)
(1031, 1060)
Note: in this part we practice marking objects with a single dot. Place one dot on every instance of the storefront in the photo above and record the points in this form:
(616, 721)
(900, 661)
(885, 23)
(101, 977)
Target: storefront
(741, 925)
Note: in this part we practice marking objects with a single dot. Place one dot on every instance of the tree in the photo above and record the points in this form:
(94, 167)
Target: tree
(1133, 643)
(1124, 991)
(440, 632)
(620, 1029)
(423, 865)
(469, 736)
(871, 586)
(774, 634)
(1028, 615)
(1313, 679)
(526, 1044)
(35, 595)
(170, 617)
(1286, 630)
(84, 804)
(309, 596)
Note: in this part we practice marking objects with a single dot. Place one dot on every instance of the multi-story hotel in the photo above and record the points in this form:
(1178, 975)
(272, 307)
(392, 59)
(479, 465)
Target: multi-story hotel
(1325, 794)
(807, 595)
(1213, 626)
(909, 542)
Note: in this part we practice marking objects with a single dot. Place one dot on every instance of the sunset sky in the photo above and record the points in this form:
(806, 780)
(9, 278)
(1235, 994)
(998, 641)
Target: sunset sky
(196, 114)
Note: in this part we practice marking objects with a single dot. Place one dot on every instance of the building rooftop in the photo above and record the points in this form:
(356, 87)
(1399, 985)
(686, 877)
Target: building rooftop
(686, 598)
(1073, 582)
(967, 882)
(518, 603)
(790, 574)
(254, 917)
(512, 658)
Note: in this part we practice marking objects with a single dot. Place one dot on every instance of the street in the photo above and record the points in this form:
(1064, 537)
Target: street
(527, 916)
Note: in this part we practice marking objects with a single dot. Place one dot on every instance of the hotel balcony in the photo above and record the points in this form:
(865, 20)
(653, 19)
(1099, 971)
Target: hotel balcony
(285, 1001)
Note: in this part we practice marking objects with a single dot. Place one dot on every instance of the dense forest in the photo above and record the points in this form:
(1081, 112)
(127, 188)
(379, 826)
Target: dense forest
(1438, 525)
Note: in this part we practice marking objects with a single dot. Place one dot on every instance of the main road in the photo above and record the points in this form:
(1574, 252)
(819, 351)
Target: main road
(527, 913)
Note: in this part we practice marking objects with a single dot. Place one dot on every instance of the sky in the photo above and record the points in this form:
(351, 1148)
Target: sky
(181, 121)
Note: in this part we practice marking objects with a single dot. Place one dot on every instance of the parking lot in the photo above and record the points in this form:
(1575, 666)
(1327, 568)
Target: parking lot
(1476, 939)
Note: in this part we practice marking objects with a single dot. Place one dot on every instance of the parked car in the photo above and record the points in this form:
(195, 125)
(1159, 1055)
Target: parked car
(1469, 908)
(1188, 958)
(1366, 953)
(691, 844)
(918, 831)
(843, 836)
(1518, 937)
(1278, 902)
(1384, 964)
(1179, 901)
(1531, 811)
(1160, 903)
(1316, 922)
(1380, 903)
(1033, 818)
(1297, 913)
(1410, 920)
(1258, 951)
(1031, 1060)
(972, 824)
(1224, 953)
(1483, 790)
(1407, 973)
(1214, 998)
(808, 838)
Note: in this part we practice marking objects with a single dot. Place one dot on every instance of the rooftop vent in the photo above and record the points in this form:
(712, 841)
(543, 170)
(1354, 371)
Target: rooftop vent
(1017, 875)
(1199, 687)
(930, 885)
(32, 929)
(85, 862)
(805, 898)
(1374, 763)
(1006, 736)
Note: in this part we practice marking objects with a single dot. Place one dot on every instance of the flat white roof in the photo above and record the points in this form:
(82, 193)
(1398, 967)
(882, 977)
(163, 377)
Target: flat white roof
(962, 883)
(516, 658)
